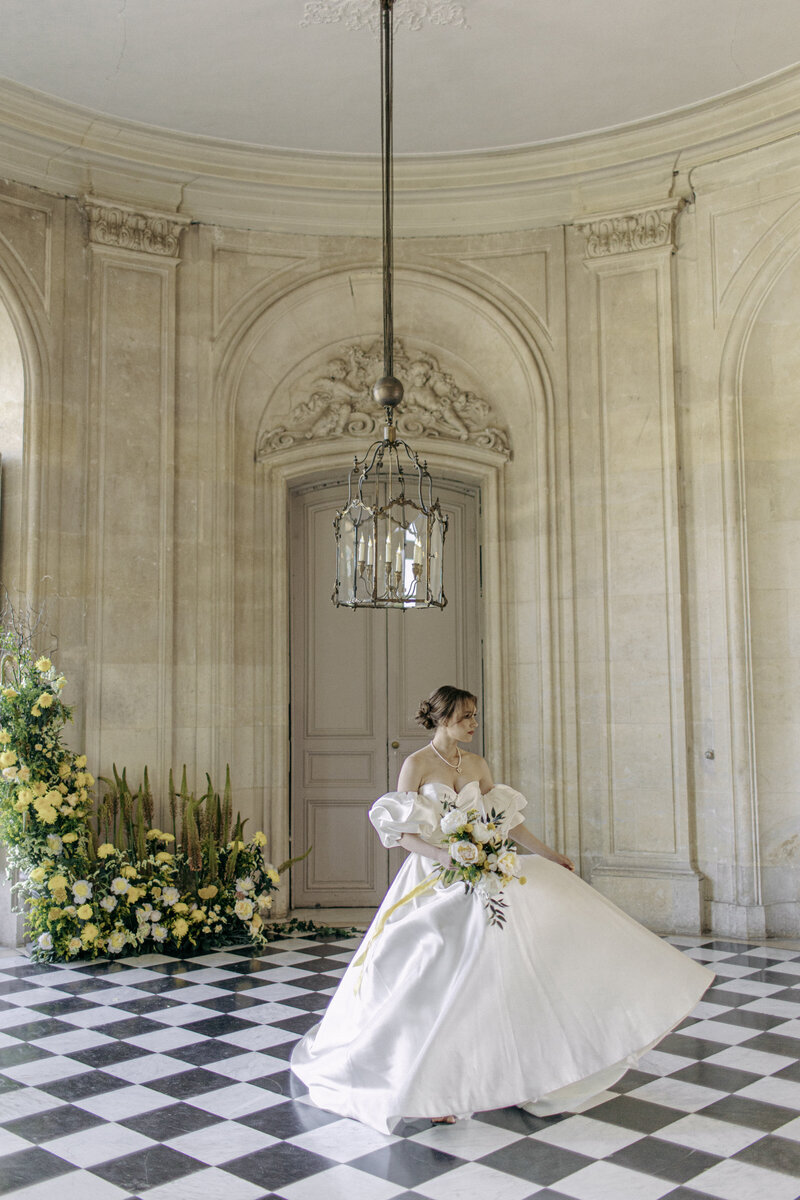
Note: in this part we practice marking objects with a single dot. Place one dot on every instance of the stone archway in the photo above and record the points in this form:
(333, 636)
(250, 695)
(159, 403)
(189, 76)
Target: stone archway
(482, 346)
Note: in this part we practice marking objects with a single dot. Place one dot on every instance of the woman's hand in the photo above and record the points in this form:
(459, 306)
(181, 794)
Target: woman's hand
(563, 861)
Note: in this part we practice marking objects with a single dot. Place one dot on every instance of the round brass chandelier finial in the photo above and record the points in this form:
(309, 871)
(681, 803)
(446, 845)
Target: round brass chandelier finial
(388, 391)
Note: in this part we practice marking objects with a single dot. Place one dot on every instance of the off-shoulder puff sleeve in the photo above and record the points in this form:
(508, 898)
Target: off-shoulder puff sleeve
(505, 799)
(397, 813)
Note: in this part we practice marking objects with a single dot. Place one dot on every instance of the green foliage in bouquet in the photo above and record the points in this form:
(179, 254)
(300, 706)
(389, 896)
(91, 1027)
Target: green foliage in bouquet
(102, 882)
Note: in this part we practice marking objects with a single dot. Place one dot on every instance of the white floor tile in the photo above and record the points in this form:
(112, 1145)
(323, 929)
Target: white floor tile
(341, 1183)
(275, 992)
(181, 1014)
(718, 1031)
(742, 1058)
(76, 1185)
(607, 1181)
(787, 1029)
(750, 987)
(790, 1130)
(73, 1043)
(474, 1181)
(24, 1102)
(236, 1101)
(210, 1184)
(259, 1037)
(10, 1144)
(658, 1062)
(247, 1066)
(221, 1143)
(10, 1018)
(597, 1139)
(45, 1070)
(467, 1139)
(163, 1040)
(343, 1140)
(147, 1067)
(36, 995)
(729, 970)
(675, 1093)
(96, 1017)
(734, 1180)
(58, 977)
(280, 974)
(206, 974)
(195, 993)
(699, 1132)
(773, 1091)
(98, 1145)
(773, 1006)
(271, 1012)
(124, 1103)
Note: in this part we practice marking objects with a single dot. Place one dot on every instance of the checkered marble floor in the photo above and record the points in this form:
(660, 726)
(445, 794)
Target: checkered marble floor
(167, 1079)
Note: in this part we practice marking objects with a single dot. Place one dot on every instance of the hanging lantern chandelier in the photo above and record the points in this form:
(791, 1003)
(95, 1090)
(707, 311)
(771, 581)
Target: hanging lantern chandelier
(390, 534)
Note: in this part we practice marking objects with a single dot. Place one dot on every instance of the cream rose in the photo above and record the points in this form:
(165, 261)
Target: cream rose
(506, 862)
(452, 820)
(465, 853)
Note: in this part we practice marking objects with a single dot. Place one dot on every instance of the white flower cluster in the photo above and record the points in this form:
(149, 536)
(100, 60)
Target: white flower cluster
(483, 858)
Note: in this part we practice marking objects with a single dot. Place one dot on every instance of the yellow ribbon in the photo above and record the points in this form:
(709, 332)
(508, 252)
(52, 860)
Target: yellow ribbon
(426, 886)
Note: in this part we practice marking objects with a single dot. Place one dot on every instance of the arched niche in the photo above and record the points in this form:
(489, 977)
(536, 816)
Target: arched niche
(488, 351)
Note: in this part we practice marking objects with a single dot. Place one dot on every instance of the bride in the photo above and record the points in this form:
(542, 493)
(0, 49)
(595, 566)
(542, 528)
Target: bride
(443, 1014)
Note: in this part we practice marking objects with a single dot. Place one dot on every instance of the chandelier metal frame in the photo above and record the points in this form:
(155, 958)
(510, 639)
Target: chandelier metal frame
(389, 541)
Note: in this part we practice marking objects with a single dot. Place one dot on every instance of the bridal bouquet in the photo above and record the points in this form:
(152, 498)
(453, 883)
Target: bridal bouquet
(483, 858)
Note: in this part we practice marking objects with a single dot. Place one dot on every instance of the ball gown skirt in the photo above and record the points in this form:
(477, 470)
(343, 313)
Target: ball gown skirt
(447, 1014)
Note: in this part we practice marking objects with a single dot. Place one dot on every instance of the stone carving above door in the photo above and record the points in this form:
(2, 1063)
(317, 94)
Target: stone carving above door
(337, 402)
(408, 14)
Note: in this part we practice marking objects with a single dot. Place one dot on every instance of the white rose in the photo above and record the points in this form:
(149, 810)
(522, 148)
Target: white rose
(506, 863)
(480, 833)
(465, 853)
(109, 903)
(158, 932)
(452, 820)
(170, 896)
(46, 941)
(245, 885)
(243, 909)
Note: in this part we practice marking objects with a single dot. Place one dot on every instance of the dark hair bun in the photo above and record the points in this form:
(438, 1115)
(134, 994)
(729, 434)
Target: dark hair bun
(423, 716)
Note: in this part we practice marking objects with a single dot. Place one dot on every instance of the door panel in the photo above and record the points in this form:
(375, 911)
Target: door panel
(357, 679)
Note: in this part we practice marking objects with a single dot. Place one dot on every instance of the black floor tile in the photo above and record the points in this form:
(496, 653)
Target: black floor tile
(200, 1054)
(147, 1004)
(408, 1164)
(56, 1122)
(79, 1087)
(218, 1026)
(27, 1167)
(300, 1024)
(544, 1164)
(774, 1153)
(279, 1165)
(741, 1110)
(131, 1027)
(640, 1115)
(689, 1046)
(652, 1156)
(722, 1079)
(107, 1055)
(517, 1120)
(163, 1124)
(32, 1031)
(147, 1168)
(185, 1084)
(287, 1120)
(15, 1056)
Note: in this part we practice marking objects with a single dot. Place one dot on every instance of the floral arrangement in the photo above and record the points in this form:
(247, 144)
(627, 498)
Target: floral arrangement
(100, 882)
(483, 858)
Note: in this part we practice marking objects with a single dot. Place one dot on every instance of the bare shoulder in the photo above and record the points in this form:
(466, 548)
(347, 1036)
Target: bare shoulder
(478, 769)
(411, 772)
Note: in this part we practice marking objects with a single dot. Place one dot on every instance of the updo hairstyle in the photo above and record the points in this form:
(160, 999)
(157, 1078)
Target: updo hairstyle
(441, 705)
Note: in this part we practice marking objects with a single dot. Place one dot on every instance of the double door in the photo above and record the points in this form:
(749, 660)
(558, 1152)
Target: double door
(357, 680)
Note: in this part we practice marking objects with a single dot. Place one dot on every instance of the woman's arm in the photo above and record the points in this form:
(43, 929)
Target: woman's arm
(529, 841)
(408, 781)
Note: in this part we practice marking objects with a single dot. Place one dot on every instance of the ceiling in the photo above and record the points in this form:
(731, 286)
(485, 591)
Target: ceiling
(520, 72)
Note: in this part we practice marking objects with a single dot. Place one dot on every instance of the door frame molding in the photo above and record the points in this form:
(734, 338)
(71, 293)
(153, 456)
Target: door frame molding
(301, 465)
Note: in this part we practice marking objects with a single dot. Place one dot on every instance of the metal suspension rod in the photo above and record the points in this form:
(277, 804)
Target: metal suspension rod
(387, 84)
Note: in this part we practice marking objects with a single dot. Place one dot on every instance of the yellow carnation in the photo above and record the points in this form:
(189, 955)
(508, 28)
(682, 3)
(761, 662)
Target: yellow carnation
(85, 911)
(133, 894)
(259, 838)
(129, 872)
(164, 856)
(63, 768)
(45, 700)
(273, 875)
(70, 837)
(180, 928)
(89, 932)
(104, 850)
(7, 758)
(37, 875)
(5, 737)
(43, 664)
(207, 893)
(39, 788)
(80, 762)
(56, 882)
(180, 907)
(9, 693)
(53, 914)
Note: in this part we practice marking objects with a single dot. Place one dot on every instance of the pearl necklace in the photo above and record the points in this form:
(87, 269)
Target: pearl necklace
(453, 766)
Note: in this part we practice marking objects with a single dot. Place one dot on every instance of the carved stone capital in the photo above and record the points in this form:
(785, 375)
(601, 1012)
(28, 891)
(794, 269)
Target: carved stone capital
(335, 401)
(628, 232)
(117, 225)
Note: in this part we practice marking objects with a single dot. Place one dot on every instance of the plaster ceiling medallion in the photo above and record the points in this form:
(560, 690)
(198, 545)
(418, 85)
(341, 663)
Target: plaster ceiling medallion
(363, 14)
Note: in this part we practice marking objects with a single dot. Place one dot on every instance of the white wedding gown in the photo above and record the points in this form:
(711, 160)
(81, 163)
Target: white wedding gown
(447, 1014)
